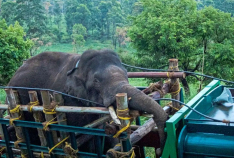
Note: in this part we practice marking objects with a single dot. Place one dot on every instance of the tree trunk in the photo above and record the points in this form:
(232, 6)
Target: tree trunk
(186, 86)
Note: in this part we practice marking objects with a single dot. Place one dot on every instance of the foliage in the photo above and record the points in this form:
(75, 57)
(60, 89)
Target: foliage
(224, 5)
(31, 14)
(14, 49)
(121, 36)
(176, 29)
(8, 12)
(78, 33)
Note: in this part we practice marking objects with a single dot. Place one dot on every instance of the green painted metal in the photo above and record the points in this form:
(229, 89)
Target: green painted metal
(7, 141)
(212, 144)
(202, 137)
(170, 149)
(71, 129)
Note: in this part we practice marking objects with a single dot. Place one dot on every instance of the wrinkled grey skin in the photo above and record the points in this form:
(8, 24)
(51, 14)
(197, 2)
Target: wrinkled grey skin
(99, 77)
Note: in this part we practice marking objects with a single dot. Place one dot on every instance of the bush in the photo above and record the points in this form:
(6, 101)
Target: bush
(13, 50)
(66, 39)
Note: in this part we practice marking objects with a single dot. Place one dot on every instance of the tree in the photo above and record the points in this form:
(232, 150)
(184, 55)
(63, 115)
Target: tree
(82, 15)
(57, 14)
(224, 5)
(8, 12)
(31, 14)
(76, 13)
(176, 29)
(121, 37)
(78, 33)
(14, 49)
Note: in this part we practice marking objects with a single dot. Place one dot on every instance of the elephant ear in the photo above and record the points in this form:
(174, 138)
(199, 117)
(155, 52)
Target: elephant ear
(75, 85)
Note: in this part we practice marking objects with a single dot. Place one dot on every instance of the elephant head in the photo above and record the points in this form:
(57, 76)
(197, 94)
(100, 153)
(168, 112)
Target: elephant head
(100, 76)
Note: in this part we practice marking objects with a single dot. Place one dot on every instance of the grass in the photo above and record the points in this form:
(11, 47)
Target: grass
(68, 47)
(138, 82)
(2, 96)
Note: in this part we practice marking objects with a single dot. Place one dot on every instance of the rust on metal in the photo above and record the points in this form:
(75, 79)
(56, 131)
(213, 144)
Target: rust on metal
(156, 75)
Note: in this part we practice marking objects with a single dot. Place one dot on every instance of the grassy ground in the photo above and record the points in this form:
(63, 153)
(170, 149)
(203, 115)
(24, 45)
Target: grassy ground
(68, 47)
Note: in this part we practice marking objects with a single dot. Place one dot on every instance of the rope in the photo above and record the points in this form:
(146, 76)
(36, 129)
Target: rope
(69, 150)
(50, 111)
(122, 130)
(13, 111)
(42, 155)
(176, 92)
(11, 120)
(19, 140)
(155, 87)
(123, 115)
(32, 104)
(1, 150)
(173, 107)
(50, 150)
(118, 154)
(46, 124)
(24, 155)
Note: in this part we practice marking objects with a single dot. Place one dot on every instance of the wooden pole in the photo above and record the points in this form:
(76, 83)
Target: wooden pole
(61, 117)
(47, 105)
(13, 100)
(38, 118)
(173, 66)
(155, 75)
(122, 104)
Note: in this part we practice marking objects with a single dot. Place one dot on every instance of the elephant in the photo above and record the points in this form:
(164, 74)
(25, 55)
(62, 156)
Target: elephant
(96, 75)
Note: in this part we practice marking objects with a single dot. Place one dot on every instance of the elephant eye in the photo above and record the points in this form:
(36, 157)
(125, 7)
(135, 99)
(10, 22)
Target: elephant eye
(96, 80)
(96, 84)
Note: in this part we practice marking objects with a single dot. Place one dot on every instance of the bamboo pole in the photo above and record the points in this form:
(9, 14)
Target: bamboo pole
(13, 99)
(47, 105)
(38, 118)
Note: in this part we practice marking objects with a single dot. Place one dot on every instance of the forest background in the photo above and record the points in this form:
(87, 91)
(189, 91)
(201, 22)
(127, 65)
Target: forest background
(145, 33)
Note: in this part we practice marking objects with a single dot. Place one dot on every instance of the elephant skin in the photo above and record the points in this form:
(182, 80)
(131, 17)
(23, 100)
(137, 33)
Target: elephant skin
(99, 76)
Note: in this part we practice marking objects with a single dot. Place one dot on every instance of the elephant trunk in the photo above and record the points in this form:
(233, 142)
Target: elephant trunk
(140, 101)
